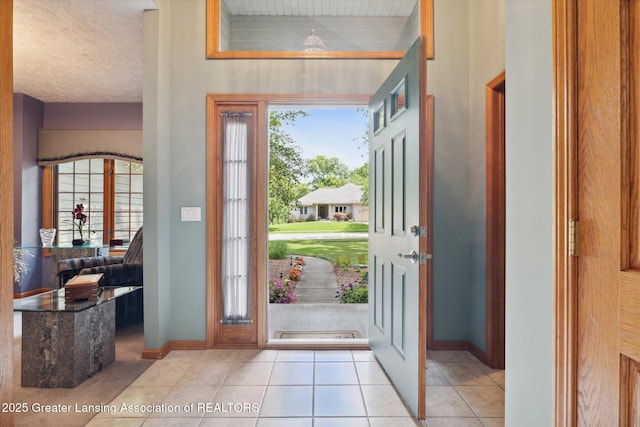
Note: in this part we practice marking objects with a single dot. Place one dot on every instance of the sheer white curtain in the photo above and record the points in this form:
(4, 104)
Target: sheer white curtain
(236, 218)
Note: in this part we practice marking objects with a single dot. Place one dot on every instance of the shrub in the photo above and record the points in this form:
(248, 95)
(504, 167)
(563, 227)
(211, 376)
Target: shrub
(310, 218)
(353, 293)
(281, 291)
(364, 276)
(344, 262)
(340, 216)
(277, 249)
(292, 219)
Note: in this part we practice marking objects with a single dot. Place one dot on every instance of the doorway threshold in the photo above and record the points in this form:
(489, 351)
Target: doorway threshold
(318, 343)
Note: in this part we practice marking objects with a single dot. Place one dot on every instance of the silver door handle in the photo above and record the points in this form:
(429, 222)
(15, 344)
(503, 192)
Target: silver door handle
(413, 256)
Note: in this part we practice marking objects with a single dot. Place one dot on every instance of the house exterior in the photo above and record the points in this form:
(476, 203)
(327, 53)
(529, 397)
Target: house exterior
(324, 203)
(177, 79)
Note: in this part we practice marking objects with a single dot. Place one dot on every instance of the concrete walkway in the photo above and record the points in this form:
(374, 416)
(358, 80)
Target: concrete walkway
(317, 283)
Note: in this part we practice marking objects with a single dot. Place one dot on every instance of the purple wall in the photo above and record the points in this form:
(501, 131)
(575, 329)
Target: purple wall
(28, 116)
(93, 116)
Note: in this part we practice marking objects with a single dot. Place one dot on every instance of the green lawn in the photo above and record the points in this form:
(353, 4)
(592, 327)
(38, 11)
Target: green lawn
(329, 249)
(320, 227)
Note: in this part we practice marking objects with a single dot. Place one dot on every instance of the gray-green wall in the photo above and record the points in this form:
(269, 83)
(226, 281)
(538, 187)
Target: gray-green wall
(177, 79)
(529, 203)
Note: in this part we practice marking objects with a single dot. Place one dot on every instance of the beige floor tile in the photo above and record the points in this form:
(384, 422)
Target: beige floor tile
(205, 373)
(334, 373)
(451, 356)
(363, 355)
(434, 375)
(227, 398)
(295, 356)
(228, 422)
(453, 422)
(492, 422)
(340, 422)
(136, 395)
(371, 373)
(218, 355)
(486, 401)
(172, 422)
(465, 373)
(383, 401)
(287, 401)
(395, 422)
(250, 373)
(116, 422)
(284, 422)
(256, 355)
(338, 401)
(292, 373)
(186, 396)
(162, 374)
(444, 401)
(182, 356)
(333, 356)
(496, 375)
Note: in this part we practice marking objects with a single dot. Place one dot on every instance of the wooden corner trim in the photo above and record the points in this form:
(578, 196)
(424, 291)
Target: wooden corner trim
(160, 353)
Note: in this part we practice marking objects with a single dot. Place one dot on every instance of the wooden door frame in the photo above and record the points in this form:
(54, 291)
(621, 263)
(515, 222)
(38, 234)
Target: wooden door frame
(495, 240)
(6, 208)
(564, 37)
(262, 101)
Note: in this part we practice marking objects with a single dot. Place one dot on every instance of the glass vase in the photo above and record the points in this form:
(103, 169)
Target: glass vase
(47, 235)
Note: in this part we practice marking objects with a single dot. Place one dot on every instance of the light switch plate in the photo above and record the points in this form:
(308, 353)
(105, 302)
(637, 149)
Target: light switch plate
(190, 213)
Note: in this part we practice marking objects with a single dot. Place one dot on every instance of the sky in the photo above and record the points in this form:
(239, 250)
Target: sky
(334, 132)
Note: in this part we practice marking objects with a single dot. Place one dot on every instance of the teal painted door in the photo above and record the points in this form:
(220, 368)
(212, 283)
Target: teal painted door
(399, 180)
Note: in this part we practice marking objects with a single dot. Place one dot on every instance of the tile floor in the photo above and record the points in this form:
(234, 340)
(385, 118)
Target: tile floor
(302, 388)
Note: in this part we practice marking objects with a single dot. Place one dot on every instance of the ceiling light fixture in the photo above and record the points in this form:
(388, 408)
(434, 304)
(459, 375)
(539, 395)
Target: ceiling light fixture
(314, 43)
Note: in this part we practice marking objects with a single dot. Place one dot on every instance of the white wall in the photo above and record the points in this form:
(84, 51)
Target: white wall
(529, 203)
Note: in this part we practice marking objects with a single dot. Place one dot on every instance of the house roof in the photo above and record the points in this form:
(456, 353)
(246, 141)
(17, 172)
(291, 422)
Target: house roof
(348, 194)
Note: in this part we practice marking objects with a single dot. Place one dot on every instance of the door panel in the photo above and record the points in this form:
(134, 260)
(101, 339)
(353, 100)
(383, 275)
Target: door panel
(399, 179)
(608, 285)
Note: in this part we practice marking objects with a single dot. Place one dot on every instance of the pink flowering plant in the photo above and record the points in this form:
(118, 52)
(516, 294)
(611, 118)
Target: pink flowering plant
(79, 218)
(282, 291)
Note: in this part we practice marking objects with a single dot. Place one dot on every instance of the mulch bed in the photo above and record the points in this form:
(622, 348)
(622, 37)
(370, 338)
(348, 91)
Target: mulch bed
(282, 266)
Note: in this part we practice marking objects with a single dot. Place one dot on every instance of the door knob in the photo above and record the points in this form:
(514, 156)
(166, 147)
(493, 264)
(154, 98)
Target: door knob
(413, 256)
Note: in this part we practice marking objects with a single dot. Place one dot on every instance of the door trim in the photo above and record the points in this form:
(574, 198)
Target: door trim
(6, 207)
(564, 37)
(261, 200)
(495, 244)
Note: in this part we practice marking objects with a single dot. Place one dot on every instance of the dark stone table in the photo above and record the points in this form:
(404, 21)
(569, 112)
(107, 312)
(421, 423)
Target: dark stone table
(65, 343)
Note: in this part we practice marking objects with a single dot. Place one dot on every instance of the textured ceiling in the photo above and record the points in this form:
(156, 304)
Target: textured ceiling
(79, 50)
(91, 50)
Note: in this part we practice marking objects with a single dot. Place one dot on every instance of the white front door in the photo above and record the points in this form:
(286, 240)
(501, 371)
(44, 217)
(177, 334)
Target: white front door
(398, 238)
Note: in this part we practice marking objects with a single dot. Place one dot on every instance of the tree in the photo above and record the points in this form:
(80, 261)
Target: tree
(286, 165)
(363, 171)
(360, 176)
(327, 172)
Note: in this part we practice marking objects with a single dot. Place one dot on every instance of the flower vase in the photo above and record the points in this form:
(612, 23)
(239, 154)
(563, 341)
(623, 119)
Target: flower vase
(78, 242)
